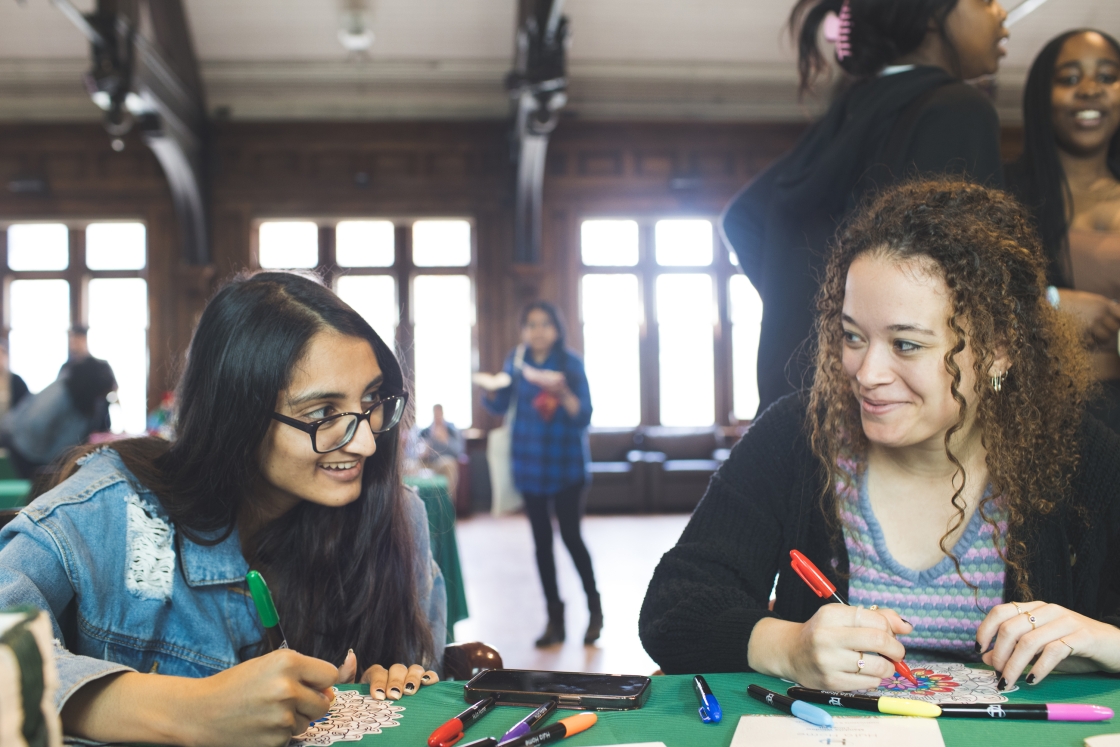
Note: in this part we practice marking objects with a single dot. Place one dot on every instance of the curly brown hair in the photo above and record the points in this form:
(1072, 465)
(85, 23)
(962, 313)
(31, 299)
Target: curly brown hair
(982, 244)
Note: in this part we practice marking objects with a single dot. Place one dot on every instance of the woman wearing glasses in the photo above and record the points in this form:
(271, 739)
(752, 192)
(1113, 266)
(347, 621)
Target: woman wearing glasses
(286, 461)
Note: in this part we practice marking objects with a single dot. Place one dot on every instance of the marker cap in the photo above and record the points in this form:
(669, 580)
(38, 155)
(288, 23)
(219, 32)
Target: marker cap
(1077, 712)
(579, 722)
(710, 712)
(447, 734)
(907, 707)
(809, 573)
(258, 589)
(810, 713)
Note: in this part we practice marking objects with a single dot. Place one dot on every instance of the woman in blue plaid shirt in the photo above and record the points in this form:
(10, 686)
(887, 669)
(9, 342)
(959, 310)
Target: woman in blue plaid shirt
(550, 453)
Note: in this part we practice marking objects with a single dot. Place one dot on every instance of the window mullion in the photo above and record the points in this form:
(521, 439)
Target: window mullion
(649, 344)
(77, 275)
(406, 336)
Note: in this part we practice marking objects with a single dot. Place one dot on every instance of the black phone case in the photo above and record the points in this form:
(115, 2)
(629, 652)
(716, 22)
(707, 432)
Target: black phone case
(588, 700)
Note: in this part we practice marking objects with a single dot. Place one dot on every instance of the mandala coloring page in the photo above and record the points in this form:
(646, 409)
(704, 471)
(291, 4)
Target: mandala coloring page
(940, 682)
(352, 716)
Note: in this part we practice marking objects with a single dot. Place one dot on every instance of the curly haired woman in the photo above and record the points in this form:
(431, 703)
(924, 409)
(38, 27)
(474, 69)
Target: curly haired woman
(941, 472)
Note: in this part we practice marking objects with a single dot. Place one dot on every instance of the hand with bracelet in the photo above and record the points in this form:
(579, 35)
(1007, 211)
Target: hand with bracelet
(1049, 635)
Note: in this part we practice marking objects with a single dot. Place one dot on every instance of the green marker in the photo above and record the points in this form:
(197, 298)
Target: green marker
(262, 598)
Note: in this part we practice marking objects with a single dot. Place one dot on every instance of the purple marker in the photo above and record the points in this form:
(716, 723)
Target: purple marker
(527, 724)
(1030, 711)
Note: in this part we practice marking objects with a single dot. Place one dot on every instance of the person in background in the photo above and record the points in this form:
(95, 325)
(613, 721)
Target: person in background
(942, 464)
(77, 350)
(550, 454)
(441, 445)
(1069, 177)
(63, 415)
(285, 460)
(12, 386)
(904, 111)
(77, 346)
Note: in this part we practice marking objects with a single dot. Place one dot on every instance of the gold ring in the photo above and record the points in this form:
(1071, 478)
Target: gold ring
(1018, 610)
(1063, 640)
(873, 607)
(859, 665)
(1031, 619)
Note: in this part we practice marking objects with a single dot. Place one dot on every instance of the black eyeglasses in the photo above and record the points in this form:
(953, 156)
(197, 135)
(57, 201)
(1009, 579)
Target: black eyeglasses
(331, 434)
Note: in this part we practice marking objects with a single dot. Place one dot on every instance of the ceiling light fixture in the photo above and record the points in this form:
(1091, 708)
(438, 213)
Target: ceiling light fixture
(1021, 10)
(354, 32)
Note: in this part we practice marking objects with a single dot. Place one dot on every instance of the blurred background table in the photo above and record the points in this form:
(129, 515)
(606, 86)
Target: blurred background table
(434, 492)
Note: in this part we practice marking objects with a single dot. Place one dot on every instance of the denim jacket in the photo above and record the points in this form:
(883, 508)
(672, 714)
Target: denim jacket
(126, 592)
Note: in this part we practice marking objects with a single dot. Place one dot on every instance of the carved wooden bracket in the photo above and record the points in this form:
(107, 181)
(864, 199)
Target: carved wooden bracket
(145, 74)
(538, 86)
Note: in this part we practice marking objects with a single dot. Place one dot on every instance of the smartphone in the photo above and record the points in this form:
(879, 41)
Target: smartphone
(572, 690)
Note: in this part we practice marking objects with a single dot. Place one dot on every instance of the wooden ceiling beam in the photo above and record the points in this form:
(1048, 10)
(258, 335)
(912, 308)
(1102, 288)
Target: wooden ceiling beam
(145, 74)
(538, 87)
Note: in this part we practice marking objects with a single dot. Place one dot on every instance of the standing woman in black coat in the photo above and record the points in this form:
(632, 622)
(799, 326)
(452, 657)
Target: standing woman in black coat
(907, 111)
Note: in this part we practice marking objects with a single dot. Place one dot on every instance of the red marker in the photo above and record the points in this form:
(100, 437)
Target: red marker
(452, 731)
(822, 587)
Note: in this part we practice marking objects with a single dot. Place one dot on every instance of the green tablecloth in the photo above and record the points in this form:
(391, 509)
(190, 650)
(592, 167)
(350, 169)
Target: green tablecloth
(13, 493)
(441, 523)
(670, 715)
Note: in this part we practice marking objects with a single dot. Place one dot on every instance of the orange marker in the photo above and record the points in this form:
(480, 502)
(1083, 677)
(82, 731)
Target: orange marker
(563, 728)
(822, 587)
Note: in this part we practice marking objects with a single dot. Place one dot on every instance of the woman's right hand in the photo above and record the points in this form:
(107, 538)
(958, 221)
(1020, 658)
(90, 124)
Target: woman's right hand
(825, 651)
(262, 702)
(1097, 317)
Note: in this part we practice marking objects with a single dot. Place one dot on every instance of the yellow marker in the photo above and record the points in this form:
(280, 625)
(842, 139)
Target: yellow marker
(907, 707)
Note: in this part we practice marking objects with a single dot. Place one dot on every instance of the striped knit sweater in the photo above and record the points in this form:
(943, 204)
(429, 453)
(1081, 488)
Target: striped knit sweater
(944, 610)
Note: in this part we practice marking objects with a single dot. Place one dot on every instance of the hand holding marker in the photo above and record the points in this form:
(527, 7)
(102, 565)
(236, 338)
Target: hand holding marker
(816, 580)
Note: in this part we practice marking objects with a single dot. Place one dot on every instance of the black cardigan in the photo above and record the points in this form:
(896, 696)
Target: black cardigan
(709, 591)
(888, 128)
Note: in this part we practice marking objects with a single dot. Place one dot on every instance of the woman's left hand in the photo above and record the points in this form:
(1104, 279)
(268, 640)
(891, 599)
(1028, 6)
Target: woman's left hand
(397, 680)
(393, 682)
(1051, 636)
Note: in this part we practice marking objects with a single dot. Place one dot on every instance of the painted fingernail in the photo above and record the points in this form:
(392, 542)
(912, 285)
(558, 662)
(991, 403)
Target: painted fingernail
(379, 694)
(394, 691)
(1030, 679)
(990, 646)
(1001, 684)
(903, 619)
(425, 678)
(409, 687)
(976, 647)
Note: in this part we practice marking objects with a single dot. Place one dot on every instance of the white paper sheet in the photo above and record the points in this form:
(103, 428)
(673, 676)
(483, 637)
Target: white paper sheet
(850, 731)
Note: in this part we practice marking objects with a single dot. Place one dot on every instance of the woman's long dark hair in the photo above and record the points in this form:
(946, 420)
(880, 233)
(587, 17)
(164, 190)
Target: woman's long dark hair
(1037, 177)
(342, 576)
(881, 31)
(560, 347)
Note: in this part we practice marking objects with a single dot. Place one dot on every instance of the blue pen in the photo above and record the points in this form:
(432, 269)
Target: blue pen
(801, 709)
(527, 724)
(710, 712)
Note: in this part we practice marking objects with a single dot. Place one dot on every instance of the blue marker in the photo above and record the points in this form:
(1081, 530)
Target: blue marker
(527, 724)
(801, 709)
(710, 712)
